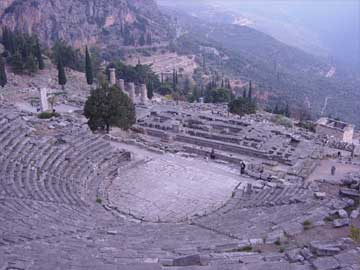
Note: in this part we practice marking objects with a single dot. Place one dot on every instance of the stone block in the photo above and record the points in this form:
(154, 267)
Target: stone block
(354, 214)
(342, 213)
(190, 260)
(324, 249)
(320, 195)
(325, 263)
(338, 223)
(351, 193)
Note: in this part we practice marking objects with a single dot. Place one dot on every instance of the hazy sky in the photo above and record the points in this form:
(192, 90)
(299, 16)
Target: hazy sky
(336, 23)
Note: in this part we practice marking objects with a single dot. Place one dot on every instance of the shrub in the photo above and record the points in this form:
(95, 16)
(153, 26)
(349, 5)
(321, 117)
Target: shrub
(282, 121)
(308, 125)
(246, 249)
(98, 200)
(48, 115)
(355, 234)
(242, 106)
(306, 224)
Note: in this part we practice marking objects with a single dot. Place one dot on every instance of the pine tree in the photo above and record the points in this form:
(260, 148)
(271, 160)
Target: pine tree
(142, 40)
(250, 91)
(174, 80)
(5, 38)
(17, 63)
(38, 54)
(150, 90)
(287, 110)
(31, 65)
(88, 68)
(61, 73)
(276, 109)
(3, 78)
(244, 93)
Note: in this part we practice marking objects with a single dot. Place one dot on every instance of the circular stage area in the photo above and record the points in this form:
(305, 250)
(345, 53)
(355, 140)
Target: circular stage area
(172, 188)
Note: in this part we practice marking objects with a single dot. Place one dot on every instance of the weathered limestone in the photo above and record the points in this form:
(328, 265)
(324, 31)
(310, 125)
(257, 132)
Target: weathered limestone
(131, 87)
(143, 93)
(112, 76)
(338, 223)
(121, 84)
(44, 103)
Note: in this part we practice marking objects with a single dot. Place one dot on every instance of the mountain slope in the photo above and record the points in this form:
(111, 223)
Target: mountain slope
(101, 22)
(280, 71)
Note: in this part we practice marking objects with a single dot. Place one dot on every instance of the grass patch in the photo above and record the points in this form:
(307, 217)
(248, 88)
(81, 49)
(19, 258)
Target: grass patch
(99, 200)
(48, 115)
(355, 233)
(328, 219)
(246, 249)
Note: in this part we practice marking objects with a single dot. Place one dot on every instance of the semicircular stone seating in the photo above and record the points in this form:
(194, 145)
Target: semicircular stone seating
(49, 218)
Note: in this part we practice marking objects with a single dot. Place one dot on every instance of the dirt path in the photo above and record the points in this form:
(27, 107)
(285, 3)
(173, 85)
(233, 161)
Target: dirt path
(324, 171)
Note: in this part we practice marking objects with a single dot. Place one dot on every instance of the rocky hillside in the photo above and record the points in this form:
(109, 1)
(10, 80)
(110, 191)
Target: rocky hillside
(101, 22)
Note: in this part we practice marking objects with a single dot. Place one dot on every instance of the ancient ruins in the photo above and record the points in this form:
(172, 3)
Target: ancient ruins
(189, 187)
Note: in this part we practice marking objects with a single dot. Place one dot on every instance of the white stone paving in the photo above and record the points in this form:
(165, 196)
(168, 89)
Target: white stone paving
(172, 188)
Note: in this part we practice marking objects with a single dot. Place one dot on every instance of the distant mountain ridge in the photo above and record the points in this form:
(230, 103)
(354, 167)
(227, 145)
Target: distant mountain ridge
(101, 22)
(283, 72)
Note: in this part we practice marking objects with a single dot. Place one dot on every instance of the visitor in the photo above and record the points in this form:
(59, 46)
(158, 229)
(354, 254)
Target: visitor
(242, 167)
(333, 169)
(339, 155)
(212, 154)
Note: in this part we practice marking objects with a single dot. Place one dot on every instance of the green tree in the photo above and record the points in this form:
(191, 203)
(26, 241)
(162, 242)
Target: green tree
(88, 68)
(242, 106)
(71, 58)
(142, 40)
(165, 89)
(17, 63)
(3, 77)
(61, 73)
(109, 106)
(250, 91)
(219, 95)
(31, 65)
(38, 54)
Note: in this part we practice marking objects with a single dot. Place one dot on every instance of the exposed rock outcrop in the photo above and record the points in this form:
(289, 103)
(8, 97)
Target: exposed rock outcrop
(101, 22)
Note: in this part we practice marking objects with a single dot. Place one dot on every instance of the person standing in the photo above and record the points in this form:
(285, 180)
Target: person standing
(333, 169)
(242, 167)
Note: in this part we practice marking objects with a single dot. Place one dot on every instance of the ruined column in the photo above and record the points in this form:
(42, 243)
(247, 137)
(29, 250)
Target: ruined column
(112, 76)
(132, 91)
(121, 84)
(44, 104)
(143, 93)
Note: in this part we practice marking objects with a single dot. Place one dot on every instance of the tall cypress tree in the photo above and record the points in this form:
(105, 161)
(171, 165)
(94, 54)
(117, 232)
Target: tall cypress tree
(61, 73)
(3, 78)
(250, 91)
(88, 68)
(38, 54)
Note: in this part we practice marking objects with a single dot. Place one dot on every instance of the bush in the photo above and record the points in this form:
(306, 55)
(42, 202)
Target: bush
(308, 125)
(48, 115)
(306, 225)
(220, 95)
(71, 58)
(282, 121)
(355, 234)
(99, 200)
(242, 106)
